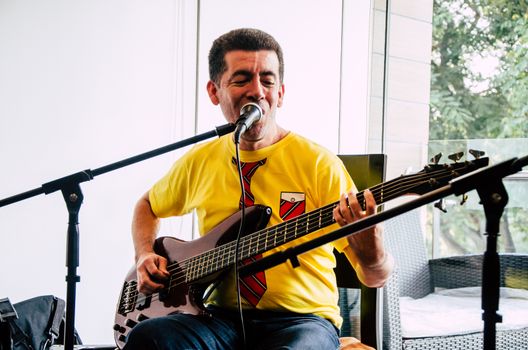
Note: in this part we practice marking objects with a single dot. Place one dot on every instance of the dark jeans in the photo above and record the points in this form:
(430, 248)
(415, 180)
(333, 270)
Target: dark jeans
(264, 330)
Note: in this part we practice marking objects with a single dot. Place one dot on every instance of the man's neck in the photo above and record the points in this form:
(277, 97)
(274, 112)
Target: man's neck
(250, 145)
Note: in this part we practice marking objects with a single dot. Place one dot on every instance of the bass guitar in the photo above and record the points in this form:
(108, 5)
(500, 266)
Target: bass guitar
(196, 265)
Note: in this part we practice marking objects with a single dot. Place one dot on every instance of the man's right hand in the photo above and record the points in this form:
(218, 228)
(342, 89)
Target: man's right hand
(151, 271)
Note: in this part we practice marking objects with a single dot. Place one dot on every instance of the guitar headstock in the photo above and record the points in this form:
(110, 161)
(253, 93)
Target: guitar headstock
(433, 176)
(436, 175)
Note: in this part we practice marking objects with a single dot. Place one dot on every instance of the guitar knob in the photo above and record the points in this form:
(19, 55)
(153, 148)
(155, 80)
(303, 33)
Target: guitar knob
(130, 323)
(141, 317)
(122, 338)
(119, 328)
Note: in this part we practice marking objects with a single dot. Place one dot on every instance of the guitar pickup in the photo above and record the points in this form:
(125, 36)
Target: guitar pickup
(144, 303)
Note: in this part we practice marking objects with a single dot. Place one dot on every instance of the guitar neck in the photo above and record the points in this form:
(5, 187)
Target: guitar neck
(261, 241)
(219, 258)
(269, 238)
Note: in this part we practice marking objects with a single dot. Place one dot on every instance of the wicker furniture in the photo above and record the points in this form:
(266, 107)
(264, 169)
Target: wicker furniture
(416, 276)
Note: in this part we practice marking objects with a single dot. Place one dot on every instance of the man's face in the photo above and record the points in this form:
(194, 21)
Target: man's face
(251, 76)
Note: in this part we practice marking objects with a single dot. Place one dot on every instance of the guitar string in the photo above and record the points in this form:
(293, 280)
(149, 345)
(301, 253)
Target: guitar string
(384, 191)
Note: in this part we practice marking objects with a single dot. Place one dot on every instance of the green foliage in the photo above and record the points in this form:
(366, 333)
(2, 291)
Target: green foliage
(466, 104)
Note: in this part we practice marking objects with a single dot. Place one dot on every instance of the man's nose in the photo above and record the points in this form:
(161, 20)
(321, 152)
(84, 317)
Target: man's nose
(255, 90)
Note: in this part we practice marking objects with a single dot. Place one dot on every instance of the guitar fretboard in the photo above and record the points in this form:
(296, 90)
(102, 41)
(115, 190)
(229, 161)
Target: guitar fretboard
(260, 241)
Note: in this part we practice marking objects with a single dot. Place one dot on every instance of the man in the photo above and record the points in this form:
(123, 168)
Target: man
(295, 307)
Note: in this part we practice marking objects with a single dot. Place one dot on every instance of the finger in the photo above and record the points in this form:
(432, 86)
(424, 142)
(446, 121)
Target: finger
(347, 211)
(145, 283)
(353, 204)
(157, 267)
(370, 202)
(162, 267)
(149, 274)
(338, 216)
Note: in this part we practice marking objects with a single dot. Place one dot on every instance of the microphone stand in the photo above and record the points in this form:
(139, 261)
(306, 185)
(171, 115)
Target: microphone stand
(489, 186)
(71, 191)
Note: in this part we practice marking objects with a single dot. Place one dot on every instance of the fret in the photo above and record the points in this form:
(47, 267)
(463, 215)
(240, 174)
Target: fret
(189, 275)
(283, 234)
(249, 247)
(188, 271)
(226, 256)
(307, 225)
(295, 229)
(214, 258)
(207, 267)
(197, 267)
(253, 247)
(232, 254)
(200, 265)
(242, 249)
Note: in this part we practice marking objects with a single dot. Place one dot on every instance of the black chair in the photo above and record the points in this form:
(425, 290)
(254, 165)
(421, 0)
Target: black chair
(358, 302)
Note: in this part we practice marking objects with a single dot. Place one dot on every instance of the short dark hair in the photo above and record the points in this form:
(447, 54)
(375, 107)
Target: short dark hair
(247, 39)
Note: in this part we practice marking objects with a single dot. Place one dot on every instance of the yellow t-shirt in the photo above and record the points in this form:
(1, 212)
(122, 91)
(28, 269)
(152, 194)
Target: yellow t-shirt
(294, 169)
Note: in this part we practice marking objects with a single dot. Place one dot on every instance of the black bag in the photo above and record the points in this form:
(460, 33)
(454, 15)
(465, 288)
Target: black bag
(40, 323)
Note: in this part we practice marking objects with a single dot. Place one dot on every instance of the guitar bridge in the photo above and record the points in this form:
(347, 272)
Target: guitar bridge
(128, 299)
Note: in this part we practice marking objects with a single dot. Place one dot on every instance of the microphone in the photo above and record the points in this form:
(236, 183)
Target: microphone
(250, 113)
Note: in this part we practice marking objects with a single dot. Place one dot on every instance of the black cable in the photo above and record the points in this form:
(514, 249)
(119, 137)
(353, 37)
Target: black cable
(239, 235)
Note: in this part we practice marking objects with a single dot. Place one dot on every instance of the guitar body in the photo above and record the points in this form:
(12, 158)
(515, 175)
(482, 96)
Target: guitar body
(182, 297)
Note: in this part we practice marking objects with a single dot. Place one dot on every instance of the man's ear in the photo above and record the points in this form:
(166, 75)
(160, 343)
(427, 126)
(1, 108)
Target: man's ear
(212, 90)
(281, 95)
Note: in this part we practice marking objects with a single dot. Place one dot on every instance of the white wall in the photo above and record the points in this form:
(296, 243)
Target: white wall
(87, 83)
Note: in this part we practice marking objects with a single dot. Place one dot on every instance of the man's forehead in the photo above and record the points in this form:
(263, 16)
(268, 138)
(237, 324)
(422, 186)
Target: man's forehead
(266, 59)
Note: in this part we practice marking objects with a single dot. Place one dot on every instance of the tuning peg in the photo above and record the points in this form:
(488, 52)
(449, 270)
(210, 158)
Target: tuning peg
(477, 154)
(455, 157)
(464, 199)
(441, 205)
(436, 158)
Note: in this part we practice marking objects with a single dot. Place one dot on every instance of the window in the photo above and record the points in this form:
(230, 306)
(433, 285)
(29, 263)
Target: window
(479, 88)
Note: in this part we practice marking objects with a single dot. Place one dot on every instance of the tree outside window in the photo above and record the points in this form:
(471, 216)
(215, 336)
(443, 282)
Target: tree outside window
(479, 100)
